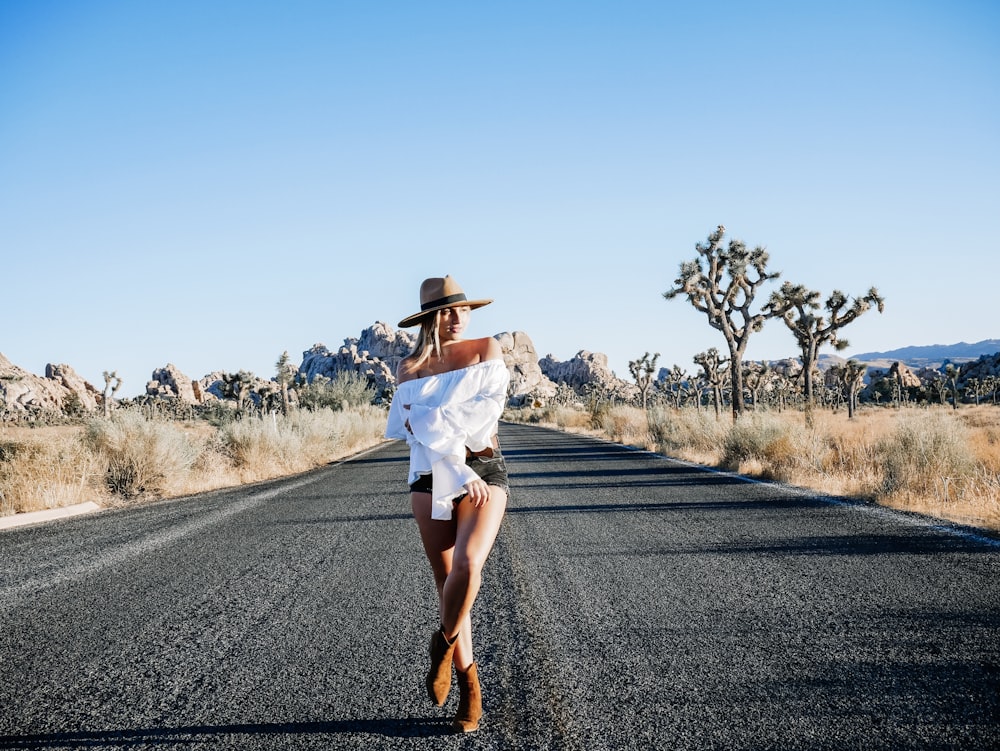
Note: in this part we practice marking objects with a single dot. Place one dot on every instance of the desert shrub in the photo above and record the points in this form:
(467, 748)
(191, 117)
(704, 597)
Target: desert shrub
(303, 439)
(563, 416)
(131, 457)
(355, 428)
(44, 473)
(598, 411)
(345, 390)
(259, 443)
(623, 424)
(686, 431)
(217, 413)
(569, 418)
(140, 456)
(773, 444)
(927, 451)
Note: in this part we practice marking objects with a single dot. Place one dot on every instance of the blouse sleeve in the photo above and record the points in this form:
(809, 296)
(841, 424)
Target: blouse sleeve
(467, 420)
(395, 426)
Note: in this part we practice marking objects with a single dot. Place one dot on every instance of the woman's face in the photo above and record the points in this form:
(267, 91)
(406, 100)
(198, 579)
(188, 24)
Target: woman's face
(452, 322)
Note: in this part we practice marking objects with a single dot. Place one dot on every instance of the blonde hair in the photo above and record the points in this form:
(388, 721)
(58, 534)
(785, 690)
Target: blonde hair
(428, 341)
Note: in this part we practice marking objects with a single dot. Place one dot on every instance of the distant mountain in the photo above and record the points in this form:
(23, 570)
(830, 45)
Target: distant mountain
(932, 355)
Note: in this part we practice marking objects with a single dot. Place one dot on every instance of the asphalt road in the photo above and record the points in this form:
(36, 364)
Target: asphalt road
(631, 602)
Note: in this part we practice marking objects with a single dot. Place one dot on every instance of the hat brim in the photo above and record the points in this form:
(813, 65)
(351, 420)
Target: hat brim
(418, 317)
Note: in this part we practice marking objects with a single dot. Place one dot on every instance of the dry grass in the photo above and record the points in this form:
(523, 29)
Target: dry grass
(936, 461)
(131, 458)
(941, 462)
(45, 468)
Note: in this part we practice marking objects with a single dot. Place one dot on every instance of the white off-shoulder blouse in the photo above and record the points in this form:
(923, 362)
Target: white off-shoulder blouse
(447, 413)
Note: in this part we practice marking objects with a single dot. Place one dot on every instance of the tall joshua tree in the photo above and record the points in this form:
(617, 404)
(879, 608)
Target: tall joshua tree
(722, 283)
(797, 306)
(285, 374)
(712, 369)
(852, 377)
(111, 384)
(673, 381)
(642, 371)
(951, 374)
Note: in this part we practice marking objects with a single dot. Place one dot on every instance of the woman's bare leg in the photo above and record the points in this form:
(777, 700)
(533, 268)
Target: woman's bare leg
(457, 550)
(476, 533)
(438, 538)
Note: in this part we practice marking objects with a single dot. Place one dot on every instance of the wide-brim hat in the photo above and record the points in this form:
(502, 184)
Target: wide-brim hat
(438, 293)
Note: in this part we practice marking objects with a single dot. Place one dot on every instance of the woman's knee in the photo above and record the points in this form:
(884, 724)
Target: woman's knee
(468, 562)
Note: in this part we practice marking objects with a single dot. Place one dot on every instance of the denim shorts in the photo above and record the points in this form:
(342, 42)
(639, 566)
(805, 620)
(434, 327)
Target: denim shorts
(491, 469)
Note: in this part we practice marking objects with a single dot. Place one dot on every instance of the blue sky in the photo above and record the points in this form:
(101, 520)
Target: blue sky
(211, 183)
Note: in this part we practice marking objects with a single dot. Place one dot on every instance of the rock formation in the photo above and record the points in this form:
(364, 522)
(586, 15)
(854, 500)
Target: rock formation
(902, 373)
(74, 383)
(169, 382)
(987, 366)
(373, 357)
(23, 393)
(528, 384)
(587, 370)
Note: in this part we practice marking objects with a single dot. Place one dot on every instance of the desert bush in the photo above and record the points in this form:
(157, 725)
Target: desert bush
(623, 424)
(563, 416)
(303, 439)
(131, 457)
(694, 434)
(775, 445)
(259, 444)
(344, 391)
(927, 452)
(568, 418)
(140, 456)
(44, 471)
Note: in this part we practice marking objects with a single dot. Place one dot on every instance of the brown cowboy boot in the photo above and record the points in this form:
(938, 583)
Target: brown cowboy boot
(470, 703)
(439, 676)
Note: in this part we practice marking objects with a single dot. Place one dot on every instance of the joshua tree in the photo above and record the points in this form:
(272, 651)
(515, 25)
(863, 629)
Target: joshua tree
(951, 375)
(852, 377)
(673, 384)
(642, 371)
(784, 389)
(722, 284)
(111, 385)
(938, 385)
(797, 307)
(973, 386)
(285, 374)
(237, 386)
(757, 378)
(712, 366)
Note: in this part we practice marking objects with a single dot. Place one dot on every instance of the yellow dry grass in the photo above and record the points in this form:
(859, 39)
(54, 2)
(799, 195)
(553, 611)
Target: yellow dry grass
(935, 461)
(131, 458)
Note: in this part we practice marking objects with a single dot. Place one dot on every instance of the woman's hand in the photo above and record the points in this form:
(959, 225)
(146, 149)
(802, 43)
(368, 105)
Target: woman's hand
(479, 492)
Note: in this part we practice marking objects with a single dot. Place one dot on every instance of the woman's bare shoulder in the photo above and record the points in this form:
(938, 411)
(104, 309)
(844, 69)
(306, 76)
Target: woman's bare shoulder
(406, 371)
(489, 349)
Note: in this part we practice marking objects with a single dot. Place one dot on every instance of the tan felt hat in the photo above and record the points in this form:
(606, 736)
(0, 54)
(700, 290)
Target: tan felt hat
(439, 293)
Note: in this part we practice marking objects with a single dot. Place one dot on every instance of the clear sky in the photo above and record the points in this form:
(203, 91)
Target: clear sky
(209, 184)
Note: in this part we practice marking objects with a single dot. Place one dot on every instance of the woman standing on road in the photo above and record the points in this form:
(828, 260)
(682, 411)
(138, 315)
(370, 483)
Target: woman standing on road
(450, 394)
